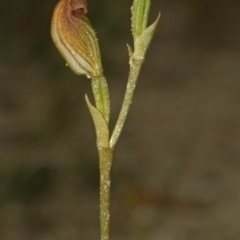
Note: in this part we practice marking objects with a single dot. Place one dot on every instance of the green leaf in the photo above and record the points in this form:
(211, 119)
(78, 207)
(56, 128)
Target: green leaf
(100, 124)
(140, 11)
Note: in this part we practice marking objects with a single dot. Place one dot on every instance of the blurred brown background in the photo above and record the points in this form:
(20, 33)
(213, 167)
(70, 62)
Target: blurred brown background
(176, 170)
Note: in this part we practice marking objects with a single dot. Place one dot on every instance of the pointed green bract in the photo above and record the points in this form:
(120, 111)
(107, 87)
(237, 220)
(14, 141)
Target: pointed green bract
(144, 40)
(100, 126)
(130, 51)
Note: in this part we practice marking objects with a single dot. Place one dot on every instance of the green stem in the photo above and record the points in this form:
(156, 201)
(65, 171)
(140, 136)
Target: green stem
(101, 96)
(135, 67)
(105, 157)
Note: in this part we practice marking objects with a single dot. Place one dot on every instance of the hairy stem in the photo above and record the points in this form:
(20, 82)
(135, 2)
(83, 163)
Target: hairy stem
(135, 67)
(105, 157)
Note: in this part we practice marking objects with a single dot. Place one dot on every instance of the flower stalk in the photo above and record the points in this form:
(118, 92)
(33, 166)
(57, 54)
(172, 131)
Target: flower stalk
(76, 40)
(142, 37)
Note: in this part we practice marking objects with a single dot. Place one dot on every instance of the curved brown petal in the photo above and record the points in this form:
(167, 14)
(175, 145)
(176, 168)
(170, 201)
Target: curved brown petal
(75, 38)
